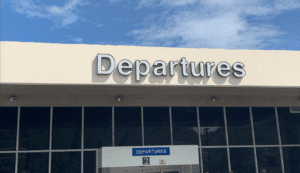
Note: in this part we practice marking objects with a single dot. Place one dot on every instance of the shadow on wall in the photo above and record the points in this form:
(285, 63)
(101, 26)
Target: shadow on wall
(153, 79)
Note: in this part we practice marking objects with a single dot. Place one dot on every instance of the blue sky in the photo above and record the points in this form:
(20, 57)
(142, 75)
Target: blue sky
(225, 24)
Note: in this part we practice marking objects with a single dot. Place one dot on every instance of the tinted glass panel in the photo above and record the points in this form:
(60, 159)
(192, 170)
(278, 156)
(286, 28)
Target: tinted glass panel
(128, 126)
(268, 159)
(66, 162)
(8, 128)
(289, 124)
(185, 126)
(97, 127)
(239, 126)
(66, 133)
(33, 162)
(265, 128)
(157, 126)
(215, 160)
(291, 158)
(212, 127)
(34, 128)
(7, 162)
(89, 162)
(242, 160)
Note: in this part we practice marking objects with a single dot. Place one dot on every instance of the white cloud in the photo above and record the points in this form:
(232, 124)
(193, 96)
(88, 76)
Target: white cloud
(62, 16)
(211, 24)
(77, 39)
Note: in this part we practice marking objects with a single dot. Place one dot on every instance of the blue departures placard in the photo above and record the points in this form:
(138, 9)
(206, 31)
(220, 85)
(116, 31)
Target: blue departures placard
(153, 151)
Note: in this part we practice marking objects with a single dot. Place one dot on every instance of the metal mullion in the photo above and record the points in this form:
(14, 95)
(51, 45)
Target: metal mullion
(82, 137)
(63, 150)
(291, 145)
(279, 139)
(260, 146)
(97, 166)
(142, 119)
(227, 142)
(17, 141)
(113, 126)
(50, 140)
(199, 136)
(253, 138)
(241, 146)
(171, 128)
(91, 149)
(5, 152)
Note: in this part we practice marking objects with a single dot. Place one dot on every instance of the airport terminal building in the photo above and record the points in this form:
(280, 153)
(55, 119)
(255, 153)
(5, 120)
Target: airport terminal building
(113, 109)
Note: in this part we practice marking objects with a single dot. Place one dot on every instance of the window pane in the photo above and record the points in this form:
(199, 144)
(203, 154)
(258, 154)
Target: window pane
(34, 128)
(157, 126)
(268, 159)
(239, 126)
(185, 126)
(242, 160)
(8, 128)
(215, 160)
(33, 162)
(128, 126)
(66, 133)
(265, 128)
(89, 162)
(66, 162)
(291, 159)
(97, 127)
(289, 126)
(7, 162)
(212, 127)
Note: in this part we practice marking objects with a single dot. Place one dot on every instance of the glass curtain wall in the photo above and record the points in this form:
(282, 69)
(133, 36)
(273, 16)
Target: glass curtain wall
(65, 139)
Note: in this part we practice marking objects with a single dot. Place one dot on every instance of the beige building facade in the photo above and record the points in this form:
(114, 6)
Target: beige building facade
(66, 104)
(42, 72)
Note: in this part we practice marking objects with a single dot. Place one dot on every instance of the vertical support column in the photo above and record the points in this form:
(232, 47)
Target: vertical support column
(227, 142)
(17, 141)
(82, 137)
(279, 140)
(253, 138)
(171, 126)
(50, 141)
(142, 119)
(199, 135)
(113, 126)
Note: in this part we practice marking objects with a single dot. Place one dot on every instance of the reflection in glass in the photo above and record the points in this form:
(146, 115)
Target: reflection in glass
(242, 160)
(97, 127)
(8, 128)
(128, 126)
(289, 124)
(34, 128)
(66, 133)
(89, 162)
(291, 159)
(268, 159)
(185, 126)
(66, 162)
(157, 126)
(215, 160)
(33, 162)
(239, 126)
(265, 129)
(212, 127)
(7, 162)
